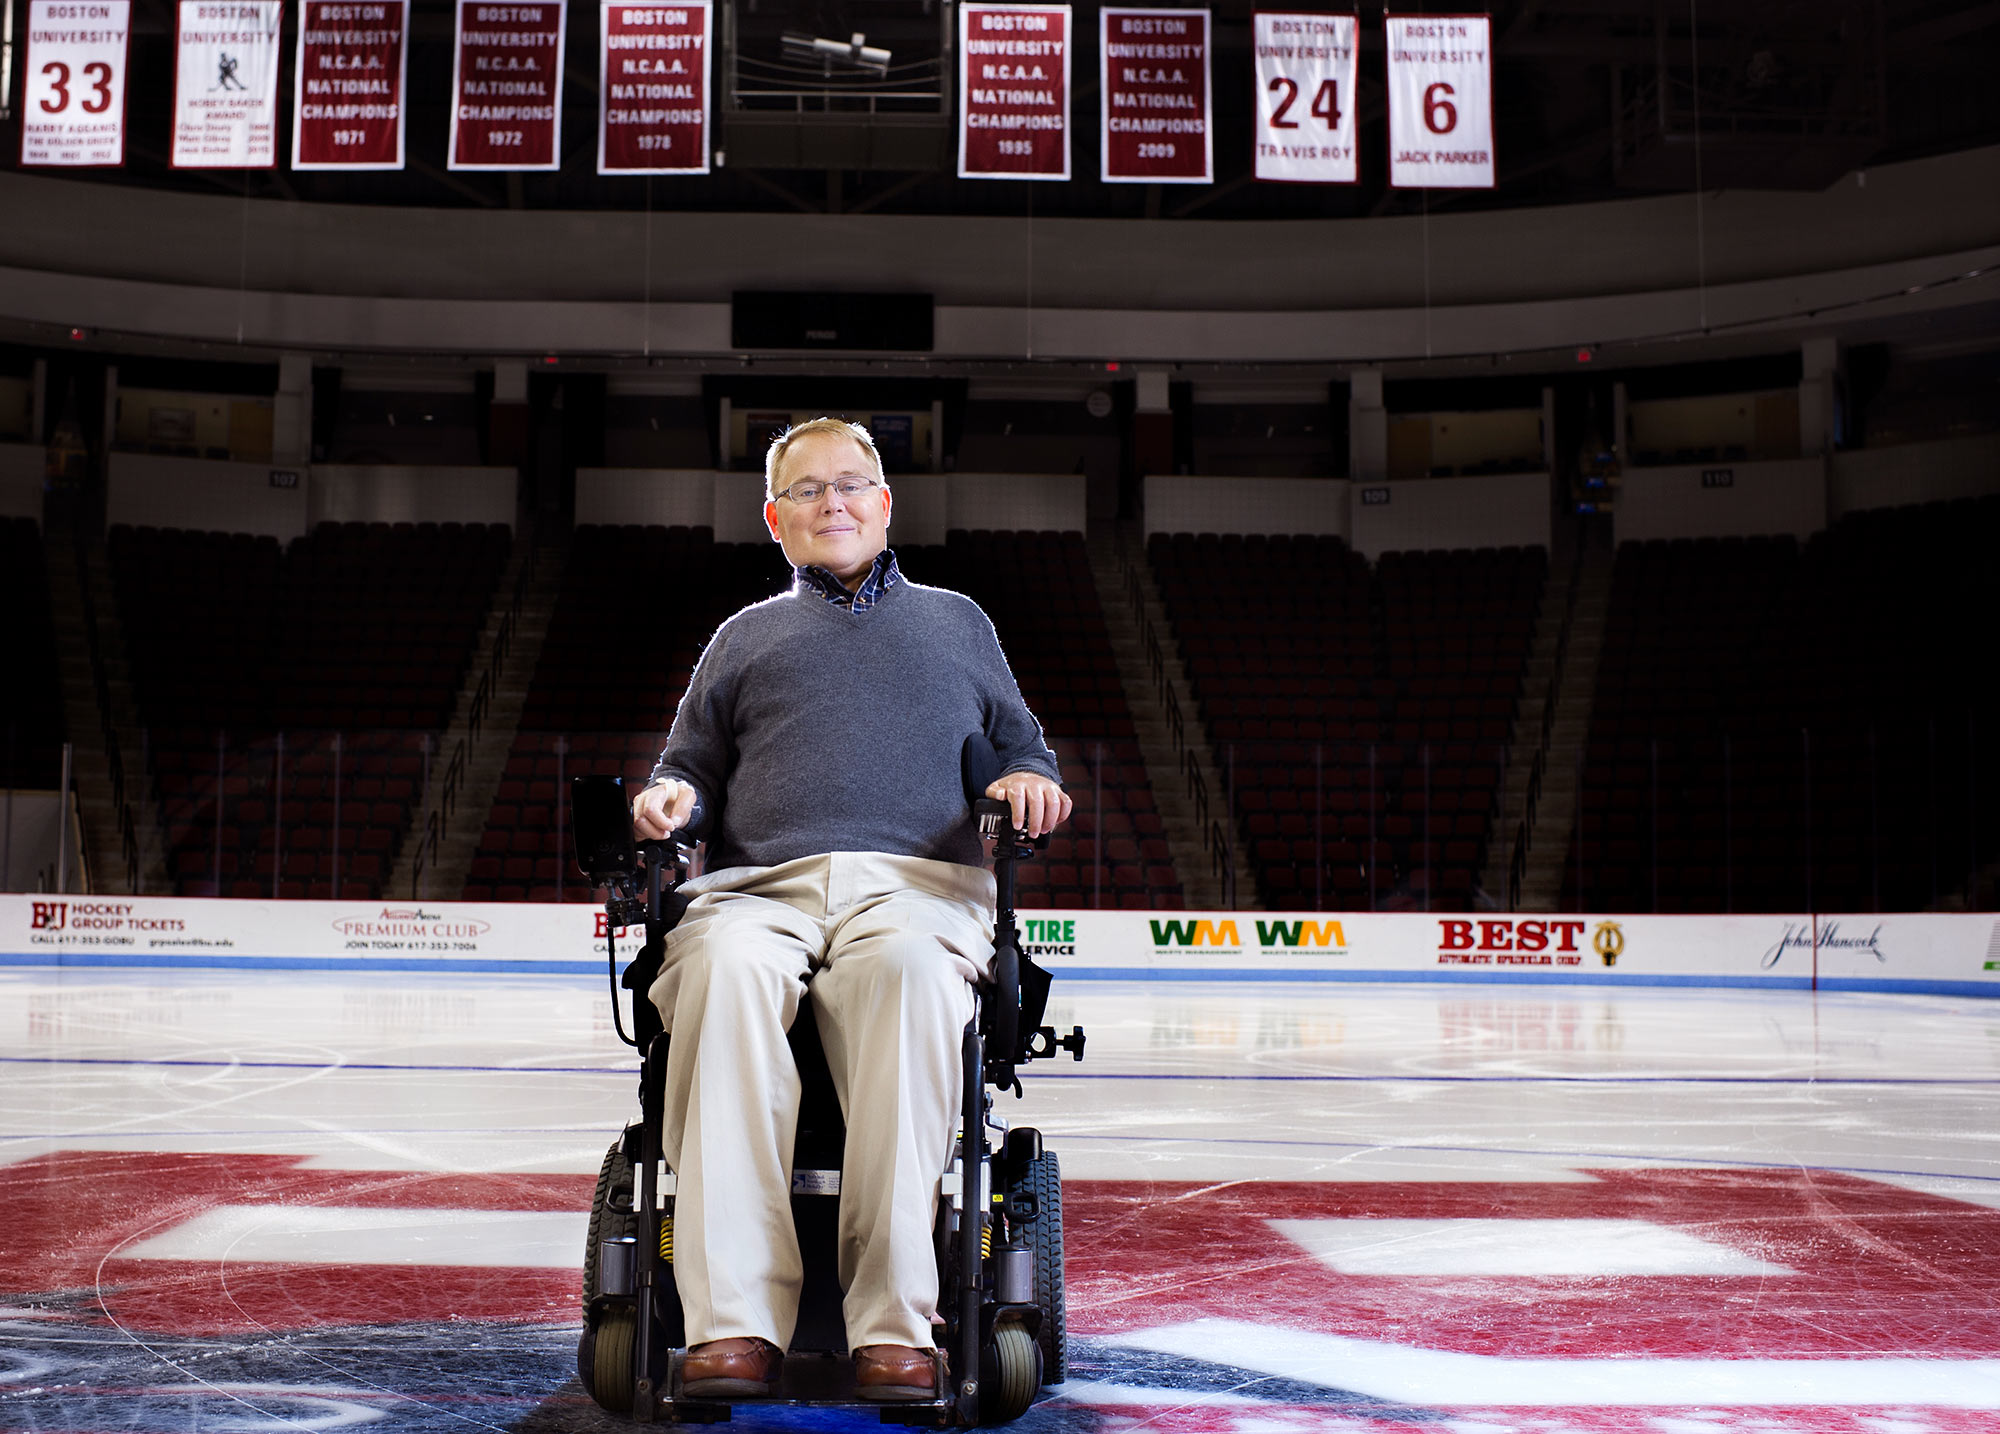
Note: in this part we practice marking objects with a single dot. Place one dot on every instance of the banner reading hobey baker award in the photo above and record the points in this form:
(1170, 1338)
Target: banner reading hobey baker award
(226, 84)
(506, 86)
(1013, 83)
(1440, 101)
(652, 76)
(353, 67)
(73, 85)
(1154, 69)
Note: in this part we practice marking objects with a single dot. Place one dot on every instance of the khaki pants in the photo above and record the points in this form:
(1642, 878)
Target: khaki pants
(889, 944)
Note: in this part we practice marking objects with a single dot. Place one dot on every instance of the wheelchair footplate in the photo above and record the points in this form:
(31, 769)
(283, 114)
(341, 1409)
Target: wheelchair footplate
(810, 1380)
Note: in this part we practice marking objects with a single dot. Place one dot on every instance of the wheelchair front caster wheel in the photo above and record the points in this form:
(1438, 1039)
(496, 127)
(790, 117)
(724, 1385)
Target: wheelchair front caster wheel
(613, 1360)
(1009, 1387)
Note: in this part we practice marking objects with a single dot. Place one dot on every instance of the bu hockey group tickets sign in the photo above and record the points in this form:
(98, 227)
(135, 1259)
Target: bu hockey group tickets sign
(652, 73)
(1013, 76)
(73, 91)
(1153, 68)
(226, 84)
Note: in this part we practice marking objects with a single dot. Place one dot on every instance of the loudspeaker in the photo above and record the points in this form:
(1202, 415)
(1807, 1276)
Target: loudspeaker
(897, 323)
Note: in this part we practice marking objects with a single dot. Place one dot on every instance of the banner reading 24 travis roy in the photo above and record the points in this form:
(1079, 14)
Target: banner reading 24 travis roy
(506, 86)
(1306, 97)
(1153, 68)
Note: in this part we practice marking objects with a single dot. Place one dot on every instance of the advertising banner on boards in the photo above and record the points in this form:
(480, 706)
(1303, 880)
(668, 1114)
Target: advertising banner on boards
(73, 82)
(226, 58)
(353, 67)
(506, 86)
(1440, 101)
(1153, 69)
(1306, 97)
(1013, 85)
(652, 79)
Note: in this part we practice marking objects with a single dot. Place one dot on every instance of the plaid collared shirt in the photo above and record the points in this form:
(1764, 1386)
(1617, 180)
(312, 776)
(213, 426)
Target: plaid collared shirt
(882, 575)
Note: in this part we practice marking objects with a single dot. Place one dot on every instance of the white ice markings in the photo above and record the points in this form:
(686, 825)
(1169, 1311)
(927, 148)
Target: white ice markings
(368, 1235)
(1438, 1377)
(1515, 1247)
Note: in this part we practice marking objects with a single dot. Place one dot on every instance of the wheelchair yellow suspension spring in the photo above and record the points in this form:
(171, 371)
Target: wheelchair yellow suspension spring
(667, 1238)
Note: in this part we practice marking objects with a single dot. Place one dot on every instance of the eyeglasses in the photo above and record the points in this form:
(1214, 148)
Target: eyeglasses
(809, 491)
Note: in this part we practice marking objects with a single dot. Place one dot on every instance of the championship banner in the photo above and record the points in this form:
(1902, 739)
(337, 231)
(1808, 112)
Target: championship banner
(73, 93)
(652, 74)
(506, 86)
(1153, 65)
(353, 69)
(1440, 101)
(226, 84)
(1306, 97)
(1013, 79)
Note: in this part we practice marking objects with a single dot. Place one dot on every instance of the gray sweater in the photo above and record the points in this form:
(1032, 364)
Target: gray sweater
(809, 728)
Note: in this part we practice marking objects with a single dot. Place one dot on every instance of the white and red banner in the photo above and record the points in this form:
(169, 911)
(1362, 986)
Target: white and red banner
(1154, 72)
(73, 90)
(506, 86)
(652, 76)
(1013, 83)
(226, 84)
(348, 102)
(1440, 101)
(1306, 97)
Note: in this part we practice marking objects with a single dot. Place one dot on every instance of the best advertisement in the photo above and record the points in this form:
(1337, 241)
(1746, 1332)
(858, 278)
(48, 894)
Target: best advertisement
(506, 86)
(226, 84)
(1306, 97)
(1013, 80)
(652, 76)
(352, 71)
(1154, 73)
(1440, 101)
(73, 85)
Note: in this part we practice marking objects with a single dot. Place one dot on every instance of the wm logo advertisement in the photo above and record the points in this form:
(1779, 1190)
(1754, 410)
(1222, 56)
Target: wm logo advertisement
(1305, 936)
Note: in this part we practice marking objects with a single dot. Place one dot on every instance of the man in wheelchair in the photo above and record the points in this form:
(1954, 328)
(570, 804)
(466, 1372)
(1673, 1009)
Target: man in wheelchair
(817, 752)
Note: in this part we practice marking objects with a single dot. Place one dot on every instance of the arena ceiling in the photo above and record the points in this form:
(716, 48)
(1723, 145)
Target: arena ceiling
(1595, 99)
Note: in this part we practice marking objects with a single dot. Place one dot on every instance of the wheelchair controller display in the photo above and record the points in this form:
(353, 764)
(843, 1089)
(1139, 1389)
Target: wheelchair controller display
(999, 1229)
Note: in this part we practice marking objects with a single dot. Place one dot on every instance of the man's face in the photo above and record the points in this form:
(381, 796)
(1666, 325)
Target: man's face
(842, 535)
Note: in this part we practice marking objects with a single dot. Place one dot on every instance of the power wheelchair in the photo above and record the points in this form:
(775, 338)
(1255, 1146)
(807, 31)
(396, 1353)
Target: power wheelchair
(998, 1234)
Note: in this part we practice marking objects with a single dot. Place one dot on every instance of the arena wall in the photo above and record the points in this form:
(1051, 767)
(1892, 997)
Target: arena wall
(1720, 500)
(1915, 473)
(23, 470)
(927, 505)
(209, 494)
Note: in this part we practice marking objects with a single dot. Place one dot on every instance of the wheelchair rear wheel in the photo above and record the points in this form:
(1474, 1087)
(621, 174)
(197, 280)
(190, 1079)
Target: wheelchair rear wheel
(1043, 1179)
(611, 1213)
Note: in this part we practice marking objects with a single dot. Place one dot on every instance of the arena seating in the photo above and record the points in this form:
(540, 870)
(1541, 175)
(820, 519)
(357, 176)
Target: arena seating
(303, 687)
(31, 736)
(1361, 717)
(601, 701)
(1788, 729)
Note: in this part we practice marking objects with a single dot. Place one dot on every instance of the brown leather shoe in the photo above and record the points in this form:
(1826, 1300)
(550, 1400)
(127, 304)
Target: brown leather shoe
(895, 1371)
(731, 1369)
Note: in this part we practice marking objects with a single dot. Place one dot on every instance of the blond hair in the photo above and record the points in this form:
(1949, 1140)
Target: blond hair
(775, 457)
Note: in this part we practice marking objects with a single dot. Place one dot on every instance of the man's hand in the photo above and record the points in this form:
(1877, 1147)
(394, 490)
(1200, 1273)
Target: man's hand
(662, 808)
(1038, 806)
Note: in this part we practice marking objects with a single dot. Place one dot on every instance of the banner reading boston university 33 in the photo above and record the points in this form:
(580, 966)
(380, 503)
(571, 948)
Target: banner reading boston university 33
(353, 70)
(506, 86)
(1155, 120)
(73, 85)
(652, 80)
(1013, 85)
(226, 84)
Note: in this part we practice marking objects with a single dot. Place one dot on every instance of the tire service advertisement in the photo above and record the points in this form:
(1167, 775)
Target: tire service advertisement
(506, 86)
(1154, 72)
(352, 75)
(1013, 79)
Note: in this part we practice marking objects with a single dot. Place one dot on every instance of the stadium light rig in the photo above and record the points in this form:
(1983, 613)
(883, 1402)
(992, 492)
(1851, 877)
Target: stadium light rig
(855, 53)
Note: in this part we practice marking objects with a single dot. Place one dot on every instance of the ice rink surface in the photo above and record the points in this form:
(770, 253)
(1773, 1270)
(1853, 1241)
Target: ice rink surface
(304, 1202)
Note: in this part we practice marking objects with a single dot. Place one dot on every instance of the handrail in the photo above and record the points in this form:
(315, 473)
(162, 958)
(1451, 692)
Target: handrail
(114, 759)
(437, 823)
(1524, 832)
